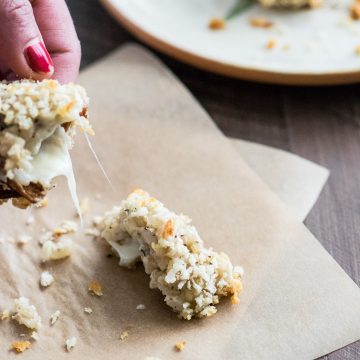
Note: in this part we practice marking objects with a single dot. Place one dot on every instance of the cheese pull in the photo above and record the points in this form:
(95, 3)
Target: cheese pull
(37, 123)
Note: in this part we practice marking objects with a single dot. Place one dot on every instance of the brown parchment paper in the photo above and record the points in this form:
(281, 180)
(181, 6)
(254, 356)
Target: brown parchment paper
(295, 180)
(297, 303)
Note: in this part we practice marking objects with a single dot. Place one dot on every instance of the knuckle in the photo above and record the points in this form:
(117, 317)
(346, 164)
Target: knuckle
(16, 10)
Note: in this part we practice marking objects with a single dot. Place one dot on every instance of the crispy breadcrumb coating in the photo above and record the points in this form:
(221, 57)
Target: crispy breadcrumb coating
(190, 276)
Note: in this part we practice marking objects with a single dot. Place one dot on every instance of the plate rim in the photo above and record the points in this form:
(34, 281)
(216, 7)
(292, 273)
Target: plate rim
(231, 70)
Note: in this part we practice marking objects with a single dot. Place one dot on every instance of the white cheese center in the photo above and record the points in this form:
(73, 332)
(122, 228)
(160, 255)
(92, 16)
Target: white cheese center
(52, 160)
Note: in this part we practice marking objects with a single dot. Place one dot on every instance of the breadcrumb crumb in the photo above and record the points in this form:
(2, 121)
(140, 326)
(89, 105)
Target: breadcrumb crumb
(66, 227)
(217, 23)
(124, 335)
(180, 346)
(52, 250)
(140, 307)
(70, 343)
(355, 10)
(23, 239)
(26, 314)
(271, 44)
(54, 317)
(95, 288)
(30, 220)
(88, 310)
(261, 22)
(20, 346)
(46, 279)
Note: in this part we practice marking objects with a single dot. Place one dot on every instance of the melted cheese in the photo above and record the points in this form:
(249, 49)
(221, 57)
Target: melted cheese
(52, 160)
(128, 252)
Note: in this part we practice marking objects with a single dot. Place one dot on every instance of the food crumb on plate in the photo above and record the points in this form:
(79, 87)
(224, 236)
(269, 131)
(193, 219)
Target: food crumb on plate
(355, 10)
(95, 288)
(271, 44)
(20, 346)
(52, 250)
(88, 310)
(26, 314)
(124, 335)
(261, 22)
(54, 317)
(30, 220)
(180, 346)
(23, 240)
(217, 23)
(140, 307)
(70, 343)
(46, 279)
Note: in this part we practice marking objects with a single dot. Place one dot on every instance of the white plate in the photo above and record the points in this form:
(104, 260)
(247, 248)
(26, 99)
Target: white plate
(321, 42)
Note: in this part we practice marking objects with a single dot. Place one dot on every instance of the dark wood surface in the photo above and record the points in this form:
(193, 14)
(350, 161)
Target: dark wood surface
(320, 124)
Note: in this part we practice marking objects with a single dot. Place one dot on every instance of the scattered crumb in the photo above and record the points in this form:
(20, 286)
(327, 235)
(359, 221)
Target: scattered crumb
(124, 335)
(140, 307)
(357, 50)
(260, 22)
(22, 335)
(180, 346)
(88, 310)
(20, 346)
(26, 314)
(30, 220)
(98, 196)
(52, 250)
(42, 203)
(23, 239)
(95, 288)
(5, 314)
(35, 336)
(355, 10)
(54, 317)
(217, 24)
(271, 44)
(70, 343)
(46, 279)
(84, 206)
(92, 232)
(66, 227)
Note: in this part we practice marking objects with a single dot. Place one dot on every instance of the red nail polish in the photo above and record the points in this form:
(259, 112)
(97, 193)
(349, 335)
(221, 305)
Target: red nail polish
(39, 59)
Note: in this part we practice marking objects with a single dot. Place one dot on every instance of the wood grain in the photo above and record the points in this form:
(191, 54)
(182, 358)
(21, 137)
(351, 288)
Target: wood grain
(320, 124)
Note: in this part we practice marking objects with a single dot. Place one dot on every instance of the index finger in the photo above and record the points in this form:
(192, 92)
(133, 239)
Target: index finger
(57, 29)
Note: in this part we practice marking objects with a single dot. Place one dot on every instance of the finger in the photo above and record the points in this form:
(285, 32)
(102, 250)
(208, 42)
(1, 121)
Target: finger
(21, 44)
(58, 31)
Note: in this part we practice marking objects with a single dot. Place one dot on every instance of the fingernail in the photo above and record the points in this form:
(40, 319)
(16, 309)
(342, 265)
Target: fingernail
(39, 59)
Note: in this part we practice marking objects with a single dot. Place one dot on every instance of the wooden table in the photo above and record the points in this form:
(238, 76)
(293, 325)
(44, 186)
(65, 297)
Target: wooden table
(320, 124)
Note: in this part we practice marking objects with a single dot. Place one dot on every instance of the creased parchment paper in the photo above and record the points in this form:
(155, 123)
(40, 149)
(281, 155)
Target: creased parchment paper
(297, 302)
(297, 181)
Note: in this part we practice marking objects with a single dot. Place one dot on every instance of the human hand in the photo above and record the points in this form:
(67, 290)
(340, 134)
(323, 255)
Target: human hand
(29, 31)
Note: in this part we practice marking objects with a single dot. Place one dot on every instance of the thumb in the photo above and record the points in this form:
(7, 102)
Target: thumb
(21, 46)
